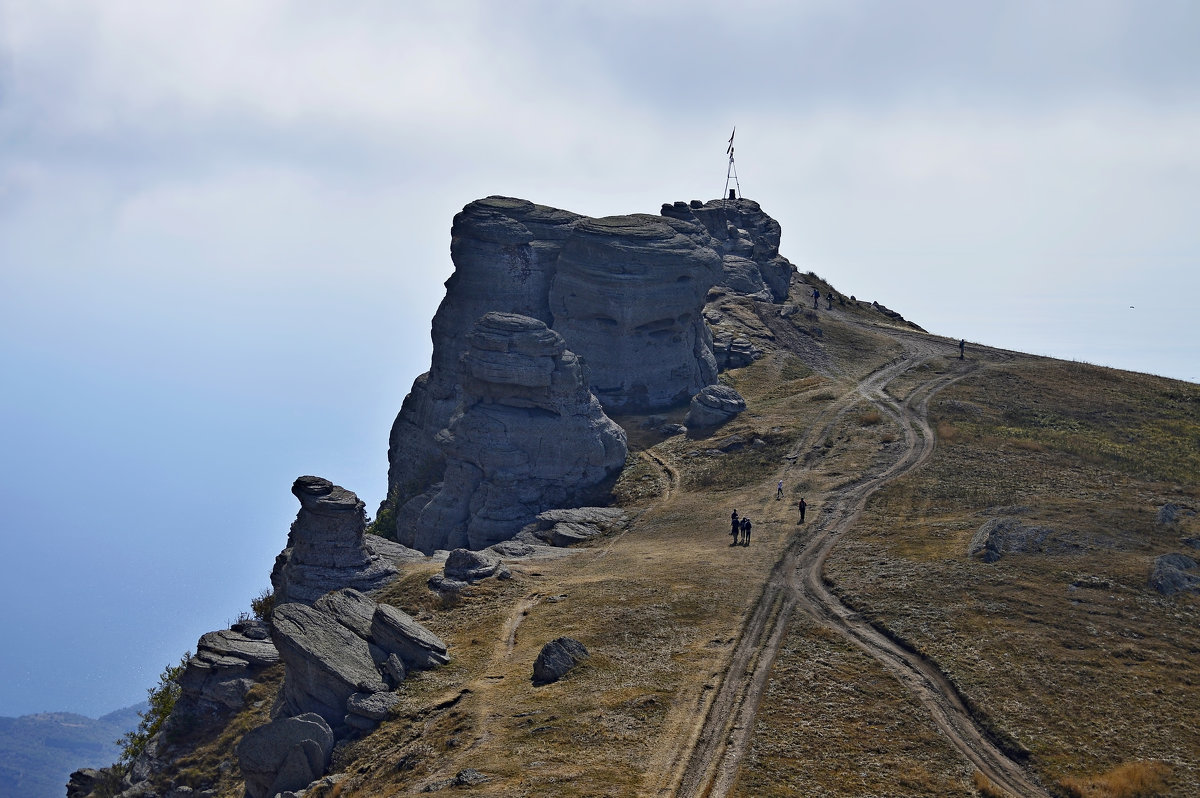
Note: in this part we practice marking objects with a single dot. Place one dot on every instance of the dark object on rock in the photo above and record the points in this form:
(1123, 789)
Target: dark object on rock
(285, 754)
(325, 549)
(556, 658)
(714, 405)
(1171, 574)
(1000, 536)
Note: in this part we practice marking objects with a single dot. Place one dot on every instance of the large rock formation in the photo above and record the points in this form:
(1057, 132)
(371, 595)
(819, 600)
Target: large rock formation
(528, 435)
(326, 548)
(625, 293)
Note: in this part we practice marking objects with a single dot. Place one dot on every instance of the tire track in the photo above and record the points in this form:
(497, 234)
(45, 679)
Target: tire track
(713, 760)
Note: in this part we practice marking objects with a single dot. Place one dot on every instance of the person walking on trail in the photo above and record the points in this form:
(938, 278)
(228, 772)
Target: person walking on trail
(829, 300)
(746, 531)
(779, 491)
(737, 527)
(803, 507)
(962, 347)
(816, 298)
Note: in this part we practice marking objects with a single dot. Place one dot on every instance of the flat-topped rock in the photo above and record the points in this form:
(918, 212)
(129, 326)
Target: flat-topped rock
(714, 405)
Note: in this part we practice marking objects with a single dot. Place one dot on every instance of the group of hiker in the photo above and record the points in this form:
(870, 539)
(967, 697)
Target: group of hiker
(740, 527)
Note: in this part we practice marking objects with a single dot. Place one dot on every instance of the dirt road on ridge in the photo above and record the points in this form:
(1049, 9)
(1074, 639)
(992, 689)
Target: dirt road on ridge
(709, 765)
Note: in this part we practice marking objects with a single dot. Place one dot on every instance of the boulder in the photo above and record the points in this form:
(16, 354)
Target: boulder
(567, 526)
(325, 663)
(325, 549)
(556, 658)
(1001, 536)
(464, 565)
(528, 436)
(397, 633)
(714, 405)
(1173, 573)
(374, 706)
(82, 782)
(216, 679)
(286, 754)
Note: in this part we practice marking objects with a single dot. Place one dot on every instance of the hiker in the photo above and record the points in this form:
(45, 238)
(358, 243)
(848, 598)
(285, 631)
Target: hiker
(737, 526)
(962, 347)
(829, 300)
(745, 531)
(779, 491)
(816, 298)
(803, 507)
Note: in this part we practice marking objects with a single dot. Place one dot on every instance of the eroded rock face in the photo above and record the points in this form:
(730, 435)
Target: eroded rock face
(628, 298)
(326, 548)
(224, 668)
(714, 405)
(528, 436)
(625, 292)
(285, 754)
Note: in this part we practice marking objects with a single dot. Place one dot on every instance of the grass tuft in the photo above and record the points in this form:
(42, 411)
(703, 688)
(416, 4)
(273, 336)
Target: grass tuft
(1127, 780)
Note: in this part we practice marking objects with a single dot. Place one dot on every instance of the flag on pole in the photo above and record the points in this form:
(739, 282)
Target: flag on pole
(729, 149)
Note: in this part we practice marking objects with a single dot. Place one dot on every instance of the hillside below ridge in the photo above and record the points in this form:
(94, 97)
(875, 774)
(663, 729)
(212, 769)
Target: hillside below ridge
(872, 649)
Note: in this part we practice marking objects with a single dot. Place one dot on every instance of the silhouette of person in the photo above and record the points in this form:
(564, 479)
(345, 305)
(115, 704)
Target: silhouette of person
(816, 298)
(779, 491)
(962, 347)
(746, 531)
(803, 507)
(736, 527)
(829, 300)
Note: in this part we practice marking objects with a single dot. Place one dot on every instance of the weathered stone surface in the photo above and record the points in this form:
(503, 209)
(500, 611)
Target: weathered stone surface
(527, 436)
(216, 679)
(464, 565)
(286, 754)
(394, 670)
(714, 405)
(734, 352)
(1001, 536)
(625, 292)
(375, 706)
(556, 658)
(1173, 573)
(350, 608)
(397, 633)
(627, 298)
(325, 548)
(326, 664)
(566, 526)
(82, 782)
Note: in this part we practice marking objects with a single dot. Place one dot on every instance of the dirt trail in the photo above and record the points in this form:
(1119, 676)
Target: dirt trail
(709, 766)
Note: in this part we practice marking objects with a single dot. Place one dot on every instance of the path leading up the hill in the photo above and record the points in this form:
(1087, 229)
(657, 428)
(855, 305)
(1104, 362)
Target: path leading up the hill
(709, 766)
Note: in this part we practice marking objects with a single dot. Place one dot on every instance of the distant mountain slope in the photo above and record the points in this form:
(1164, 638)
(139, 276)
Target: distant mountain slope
(39, 752)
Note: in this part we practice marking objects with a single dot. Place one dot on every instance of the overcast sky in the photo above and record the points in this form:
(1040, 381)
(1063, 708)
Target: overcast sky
(224, 228)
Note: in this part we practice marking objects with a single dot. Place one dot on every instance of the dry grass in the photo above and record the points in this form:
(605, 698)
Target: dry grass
(870, 418)
(1128, 780)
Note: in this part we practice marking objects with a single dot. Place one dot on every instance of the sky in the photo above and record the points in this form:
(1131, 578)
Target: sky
(224, 229)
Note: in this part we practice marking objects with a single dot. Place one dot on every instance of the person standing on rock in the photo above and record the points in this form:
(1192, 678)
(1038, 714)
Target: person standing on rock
(737, 526)
(779, 491)
(745, 531)
(816, 298)
(962, 347)
(803, 507)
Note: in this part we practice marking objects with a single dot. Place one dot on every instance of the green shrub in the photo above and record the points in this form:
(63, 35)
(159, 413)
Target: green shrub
(162, 699)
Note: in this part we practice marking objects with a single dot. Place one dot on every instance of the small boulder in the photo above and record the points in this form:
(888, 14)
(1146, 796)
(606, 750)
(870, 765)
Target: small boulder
(375, 706)
(285, 754)
(397, 633)
(1171, 574)
(1000, 536)
(556, 658)
(714, 405)
(464, 565)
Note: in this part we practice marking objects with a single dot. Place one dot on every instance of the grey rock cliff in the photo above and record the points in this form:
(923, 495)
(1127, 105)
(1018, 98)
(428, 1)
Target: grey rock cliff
(528, 435)
(625, 292)
(326, 549)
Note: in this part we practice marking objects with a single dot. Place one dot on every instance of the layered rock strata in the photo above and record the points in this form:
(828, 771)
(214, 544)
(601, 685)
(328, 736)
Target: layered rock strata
(715, 405)
(327, 547)
(625, 292)
(528, 435)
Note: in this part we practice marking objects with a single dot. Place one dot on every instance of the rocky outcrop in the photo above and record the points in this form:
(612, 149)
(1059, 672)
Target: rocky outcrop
(528, 435)
(326, 549)
(556, 658)
(565, 527)
(345, 654)
(466, 567)
(714, 405)
(734, 352)
(285, 754)
(625, 293)
(1000, 536)
(628, 298)
(223, 670)
(1173, 573)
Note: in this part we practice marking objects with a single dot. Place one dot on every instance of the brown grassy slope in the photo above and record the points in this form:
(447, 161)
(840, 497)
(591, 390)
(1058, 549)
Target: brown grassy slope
(1065, 650)
(660, 607)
